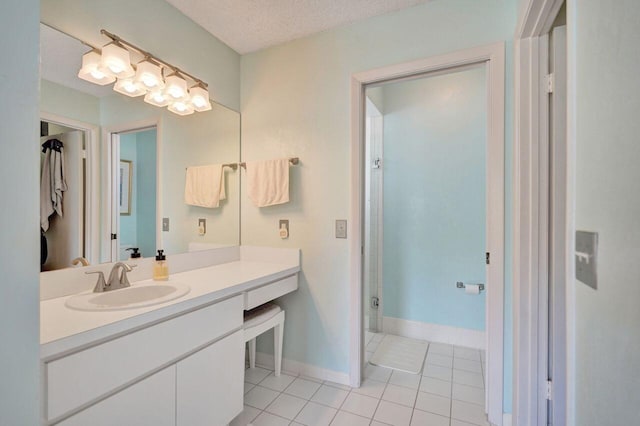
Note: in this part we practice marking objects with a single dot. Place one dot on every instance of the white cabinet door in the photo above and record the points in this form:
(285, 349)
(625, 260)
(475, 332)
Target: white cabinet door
(150, 402)
(210, 383)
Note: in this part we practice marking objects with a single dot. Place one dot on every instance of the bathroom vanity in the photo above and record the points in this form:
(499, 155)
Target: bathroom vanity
(179, 362)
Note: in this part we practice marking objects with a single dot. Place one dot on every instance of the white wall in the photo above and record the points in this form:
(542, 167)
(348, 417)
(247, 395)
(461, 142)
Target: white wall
(19, 237)
(607, 49)
(295, 102)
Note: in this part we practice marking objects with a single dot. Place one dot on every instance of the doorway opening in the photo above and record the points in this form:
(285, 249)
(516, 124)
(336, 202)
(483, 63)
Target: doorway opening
(133, 193)
(430, 212)
(69, 221)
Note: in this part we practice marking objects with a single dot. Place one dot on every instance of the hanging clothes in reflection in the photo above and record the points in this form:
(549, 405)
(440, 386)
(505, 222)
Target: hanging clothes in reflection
(52, 181)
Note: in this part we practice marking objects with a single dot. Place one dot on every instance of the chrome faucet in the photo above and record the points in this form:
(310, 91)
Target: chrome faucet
(115, 281)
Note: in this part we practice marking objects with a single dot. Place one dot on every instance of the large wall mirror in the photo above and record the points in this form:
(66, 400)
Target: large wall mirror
(125, 167)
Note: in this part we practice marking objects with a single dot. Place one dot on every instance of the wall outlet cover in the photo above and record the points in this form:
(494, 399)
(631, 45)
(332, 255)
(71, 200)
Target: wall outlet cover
(283, 228)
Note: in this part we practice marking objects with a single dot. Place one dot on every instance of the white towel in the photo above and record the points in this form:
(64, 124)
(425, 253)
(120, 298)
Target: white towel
(204, 186)
(268, 182)
(52, 185)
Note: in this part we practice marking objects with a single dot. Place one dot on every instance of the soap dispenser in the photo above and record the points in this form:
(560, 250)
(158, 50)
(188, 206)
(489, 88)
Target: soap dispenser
(161, 267)
(135, 255)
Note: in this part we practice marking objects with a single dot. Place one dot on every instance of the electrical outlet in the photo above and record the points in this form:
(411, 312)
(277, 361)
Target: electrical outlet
(202, 226)
(341, 228)
(165, 224)
(283, 228)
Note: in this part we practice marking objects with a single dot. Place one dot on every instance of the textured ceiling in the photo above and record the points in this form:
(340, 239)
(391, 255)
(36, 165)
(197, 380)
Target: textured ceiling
(250, 25)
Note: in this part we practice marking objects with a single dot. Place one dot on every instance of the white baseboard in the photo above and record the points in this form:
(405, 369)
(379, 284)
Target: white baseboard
(435, 332)
(301, 368)
(507, 419)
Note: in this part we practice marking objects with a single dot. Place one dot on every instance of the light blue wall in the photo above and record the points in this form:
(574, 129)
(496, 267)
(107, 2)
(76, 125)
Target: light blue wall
(157, 27)
(146, 191)
(70, 103)
(296, 101)
(129, 223)
(139, 228)
(434, 198)
(19, 237)
(607, 58)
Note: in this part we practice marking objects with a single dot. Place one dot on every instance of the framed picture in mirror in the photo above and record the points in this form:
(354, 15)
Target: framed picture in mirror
(126, 172)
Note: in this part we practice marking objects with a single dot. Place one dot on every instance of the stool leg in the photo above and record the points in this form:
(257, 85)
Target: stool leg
(252, 353)
(277, 345)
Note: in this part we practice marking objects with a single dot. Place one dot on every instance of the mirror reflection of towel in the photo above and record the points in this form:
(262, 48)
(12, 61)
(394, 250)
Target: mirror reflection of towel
(204, 186)
(52, 185)
(268, 182)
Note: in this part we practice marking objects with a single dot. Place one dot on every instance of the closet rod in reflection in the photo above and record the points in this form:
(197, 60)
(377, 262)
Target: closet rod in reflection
(234, 166)
(292, 160)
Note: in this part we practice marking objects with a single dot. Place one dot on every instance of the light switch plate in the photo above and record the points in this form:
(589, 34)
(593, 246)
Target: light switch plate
(587, 258)
(165, 224)
(341, 228)
(202, 226)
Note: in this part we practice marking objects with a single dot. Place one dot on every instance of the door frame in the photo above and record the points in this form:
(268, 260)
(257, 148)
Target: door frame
(92, 181)
(531, 244)
(109, 178)
(493, 56)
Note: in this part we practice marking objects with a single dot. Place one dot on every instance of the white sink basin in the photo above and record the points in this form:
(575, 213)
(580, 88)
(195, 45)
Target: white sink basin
(136, 296)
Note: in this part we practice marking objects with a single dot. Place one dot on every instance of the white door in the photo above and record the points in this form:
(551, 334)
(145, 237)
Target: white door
(65, 236)
(115, 197)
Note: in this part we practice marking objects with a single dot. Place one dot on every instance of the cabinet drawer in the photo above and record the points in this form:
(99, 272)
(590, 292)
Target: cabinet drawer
(82, 377)
(263, 294)
(210, 386)
(149, 402)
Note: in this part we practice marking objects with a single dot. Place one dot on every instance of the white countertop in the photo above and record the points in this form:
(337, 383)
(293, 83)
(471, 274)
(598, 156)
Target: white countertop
(63, 329)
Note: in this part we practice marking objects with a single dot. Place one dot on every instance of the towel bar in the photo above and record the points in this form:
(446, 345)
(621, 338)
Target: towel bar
(292, 160)
(234, 166)
(460, 284)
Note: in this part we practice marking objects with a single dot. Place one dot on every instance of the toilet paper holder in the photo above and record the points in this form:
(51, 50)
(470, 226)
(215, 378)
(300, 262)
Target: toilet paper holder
(460, 284)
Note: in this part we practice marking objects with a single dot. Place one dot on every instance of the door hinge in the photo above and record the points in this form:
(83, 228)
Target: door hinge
(488, 258)
(549, 390)
(114, 236)
(549, 83)
(375, 302)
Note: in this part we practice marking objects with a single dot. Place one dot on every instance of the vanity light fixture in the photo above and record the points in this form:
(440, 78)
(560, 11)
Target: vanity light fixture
(90, 71)
(146, 78)
(128, 87)
(200, 98)
(116, 61)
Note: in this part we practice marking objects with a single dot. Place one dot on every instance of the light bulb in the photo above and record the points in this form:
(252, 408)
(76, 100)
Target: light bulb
(149, 74)
(97, 74)
(116, 61)
(128, 87)
(90, 71)
(181, 107)
(176, 87)
(156, 98)
(200, 98)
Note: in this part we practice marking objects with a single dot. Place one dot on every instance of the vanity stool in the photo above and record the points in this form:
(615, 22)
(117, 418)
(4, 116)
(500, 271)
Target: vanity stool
(261, 319)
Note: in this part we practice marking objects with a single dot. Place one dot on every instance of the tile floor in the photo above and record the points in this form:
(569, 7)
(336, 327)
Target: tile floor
(449, 392)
